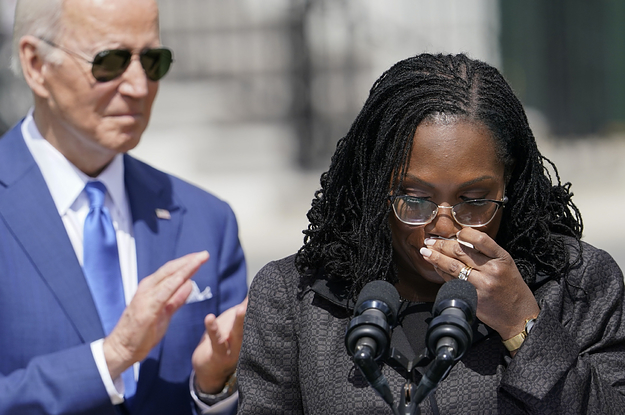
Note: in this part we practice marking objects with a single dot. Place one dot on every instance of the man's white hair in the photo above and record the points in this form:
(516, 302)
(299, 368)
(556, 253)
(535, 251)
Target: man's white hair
(39, 18)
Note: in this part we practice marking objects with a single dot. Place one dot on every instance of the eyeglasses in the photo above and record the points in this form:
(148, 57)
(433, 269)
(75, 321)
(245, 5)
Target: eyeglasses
(110, 64)
(472, 213)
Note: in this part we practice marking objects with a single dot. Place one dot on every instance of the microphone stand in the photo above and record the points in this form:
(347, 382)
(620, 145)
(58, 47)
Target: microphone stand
(437, 371)
(407, 405)
(438, 367)
(412, 395)
(364, 360)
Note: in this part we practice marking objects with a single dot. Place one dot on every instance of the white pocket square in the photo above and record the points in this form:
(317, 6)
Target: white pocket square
(196, 295)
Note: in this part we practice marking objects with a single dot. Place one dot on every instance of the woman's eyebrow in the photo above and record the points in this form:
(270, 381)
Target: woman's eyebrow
(414, 179)
(477, 180)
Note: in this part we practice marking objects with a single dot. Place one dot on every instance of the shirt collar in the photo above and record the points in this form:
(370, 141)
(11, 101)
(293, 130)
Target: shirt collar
(65, 181)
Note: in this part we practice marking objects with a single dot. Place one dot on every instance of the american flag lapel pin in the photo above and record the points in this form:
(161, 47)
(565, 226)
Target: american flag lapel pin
(163, 214)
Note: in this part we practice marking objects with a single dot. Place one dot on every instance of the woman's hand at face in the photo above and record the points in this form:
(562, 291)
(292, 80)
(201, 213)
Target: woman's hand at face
(505, 302)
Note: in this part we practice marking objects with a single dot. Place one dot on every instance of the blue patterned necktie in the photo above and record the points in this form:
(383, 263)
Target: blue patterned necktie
(101, 268)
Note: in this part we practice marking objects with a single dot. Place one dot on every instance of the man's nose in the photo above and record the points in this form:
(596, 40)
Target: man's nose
(134, 79)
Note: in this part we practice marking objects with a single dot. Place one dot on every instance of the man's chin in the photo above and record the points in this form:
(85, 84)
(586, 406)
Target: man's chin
(125, 140)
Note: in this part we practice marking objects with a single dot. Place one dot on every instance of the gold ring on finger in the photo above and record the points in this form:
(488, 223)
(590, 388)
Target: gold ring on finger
(464, 273)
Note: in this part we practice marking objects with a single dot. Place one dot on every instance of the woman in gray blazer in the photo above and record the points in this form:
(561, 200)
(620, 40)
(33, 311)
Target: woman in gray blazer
(438, 179)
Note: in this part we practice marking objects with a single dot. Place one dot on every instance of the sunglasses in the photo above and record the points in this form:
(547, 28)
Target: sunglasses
(110, 64)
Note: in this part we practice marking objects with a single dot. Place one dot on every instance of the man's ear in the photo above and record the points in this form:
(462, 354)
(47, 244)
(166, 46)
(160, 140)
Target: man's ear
(33, 65)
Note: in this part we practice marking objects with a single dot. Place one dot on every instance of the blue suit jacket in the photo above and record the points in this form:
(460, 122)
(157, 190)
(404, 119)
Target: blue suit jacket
(47, 315)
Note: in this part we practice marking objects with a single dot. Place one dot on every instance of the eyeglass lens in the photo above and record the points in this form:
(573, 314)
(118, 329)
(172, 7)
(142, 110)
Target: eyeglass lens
(418, 211)
(109, 64)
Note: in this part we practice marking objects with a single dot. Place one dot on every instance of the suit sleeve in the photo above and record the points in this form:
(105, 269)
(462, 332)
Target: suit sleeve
(58, 383)
(232, 267)
(268, 366)
(573, 361)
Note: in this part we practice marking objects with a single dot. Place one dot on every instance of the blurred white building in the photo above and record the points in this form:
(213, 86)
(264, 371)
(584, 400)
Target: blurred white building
(261, 90)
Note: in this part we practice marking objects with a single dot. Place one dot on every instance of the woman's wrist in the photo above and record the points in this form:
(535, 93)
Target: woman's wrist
(514, 342)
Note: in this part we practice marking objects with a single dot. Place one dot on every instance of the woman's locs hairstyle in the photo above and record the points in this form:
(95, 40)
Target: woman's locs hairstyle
(349, 235)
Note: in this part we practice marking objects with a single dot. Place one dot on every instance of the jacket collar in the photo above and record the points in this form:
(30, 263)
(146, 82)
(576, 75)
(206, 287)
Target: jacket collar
(28, 211)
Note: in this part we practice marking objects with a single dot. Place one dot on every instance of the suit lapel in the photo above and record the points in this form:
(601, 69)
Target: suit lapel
(157, 219)
(30, 214)
(156, 216)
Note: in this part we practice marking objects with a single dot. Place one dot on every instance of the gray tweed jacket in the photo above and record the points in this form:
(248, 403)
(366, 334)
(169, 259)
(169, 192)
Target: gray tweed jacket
(294, 360)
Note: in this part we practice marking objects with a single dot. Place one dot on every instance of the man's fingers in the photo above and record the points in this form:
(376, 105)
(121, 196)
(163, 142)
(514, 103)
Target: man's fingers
(210, 324)
(180, 266)
(179, 298)
(226, 331)
(171, 276)
(218, 343)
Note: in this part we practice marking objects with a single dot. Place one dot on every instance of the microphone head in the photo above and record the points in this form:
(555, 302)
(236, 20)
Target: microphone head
(459, 290)
(381, 292)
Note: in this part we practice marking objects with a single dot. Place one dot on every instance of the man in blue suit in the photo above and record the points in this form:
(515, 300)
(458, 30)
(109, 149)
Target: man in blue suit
(93, 67)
